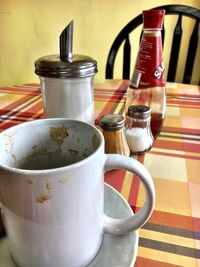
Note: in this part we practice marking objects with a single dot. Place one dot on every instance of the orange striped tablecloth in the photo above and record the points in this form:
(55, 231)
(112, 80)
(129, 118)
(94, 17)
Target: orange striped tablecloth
(172, 235)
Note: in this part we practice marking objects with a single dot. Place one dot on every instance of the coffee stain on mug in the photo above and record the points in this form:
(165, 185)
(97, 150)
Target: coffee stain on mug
(63, 180)
(49, 186)
(43, 198)
(31, 181)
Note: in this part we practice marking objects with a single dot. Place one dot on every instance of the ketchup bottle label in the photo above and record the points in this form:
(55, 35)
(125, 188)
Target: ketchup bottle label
(149, 68)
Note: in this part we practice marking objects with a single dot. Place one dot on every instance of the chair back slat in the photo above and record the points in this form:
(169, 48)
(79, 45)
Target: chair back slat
(191, 54)
(176, 43)
(163, 35)
(117, 43)
(126, 58)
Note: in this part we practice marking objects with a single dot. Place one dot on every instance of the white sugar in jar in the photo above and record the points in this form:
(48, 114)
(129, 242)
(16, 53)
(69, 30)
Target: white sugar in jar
(138, 131)
(68, 98)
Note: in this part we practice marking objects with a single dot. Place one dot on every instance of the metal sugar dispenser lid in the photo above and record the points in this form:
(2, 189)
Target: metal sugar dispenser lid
(66, 64)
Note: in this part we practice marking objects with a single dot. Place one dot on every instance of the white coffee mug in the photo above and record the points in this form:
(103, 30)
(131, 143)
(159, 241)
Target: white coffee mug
(52, 192)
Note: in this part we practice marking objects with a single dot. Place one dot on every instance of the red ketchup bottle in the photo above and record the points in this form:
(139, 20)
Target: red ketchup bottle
(147, 86)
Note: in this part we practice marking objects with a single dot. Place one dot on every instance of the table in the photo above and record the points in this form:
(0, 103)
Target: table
(171, 237)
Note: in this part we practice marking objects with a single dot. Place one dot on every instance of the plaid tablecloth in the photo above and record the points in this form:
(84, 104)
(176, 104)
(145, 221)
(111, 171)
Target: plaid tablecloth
(172, 235)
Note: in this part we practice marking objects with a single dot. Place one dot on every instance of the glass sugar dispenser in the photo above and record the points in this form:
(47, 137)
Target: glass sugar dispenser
(112, 126)
(138, 131)
(67, 81)
(147, 86)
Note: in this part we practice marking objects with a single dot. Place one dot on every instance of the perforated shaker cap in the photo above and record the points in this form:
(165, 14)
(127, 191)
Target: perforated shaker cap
(112, 122)
(139, 112)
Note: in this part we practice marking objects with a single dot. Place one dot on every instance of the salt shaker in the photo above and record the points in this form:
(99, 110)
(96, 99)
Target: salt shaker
(67, 81)
(138, 132)
(112, 126)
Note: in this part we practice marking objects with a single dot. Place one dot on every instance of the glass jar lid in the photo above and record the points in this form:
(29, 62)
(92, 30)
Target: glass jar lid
(112, 122)
(139, 112)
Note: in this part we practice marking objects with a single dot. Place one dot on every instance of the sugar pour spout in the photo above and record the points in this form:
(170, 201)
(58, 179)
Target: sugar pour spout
(66, 42)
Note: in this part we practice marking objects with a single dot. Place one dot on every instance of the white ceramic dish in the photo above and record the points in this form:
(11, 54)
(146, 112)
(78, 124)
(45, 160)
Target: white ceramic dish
(120, 251)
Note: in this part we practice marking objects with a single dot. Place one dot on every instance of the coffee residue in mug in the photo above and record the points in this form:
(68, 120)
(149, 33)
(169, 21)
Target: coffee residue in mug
(9, 146)
(58, 134)
(73, 152)
(95, 141)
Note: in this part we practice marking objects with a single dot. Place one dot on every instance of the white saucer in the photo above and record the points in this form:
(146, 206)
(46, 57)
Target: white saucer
(120, 251)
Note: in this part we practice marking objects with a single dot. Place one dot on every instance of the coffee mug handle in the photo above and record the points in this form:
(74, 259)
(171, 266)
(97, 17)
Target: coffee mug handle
(122, 226)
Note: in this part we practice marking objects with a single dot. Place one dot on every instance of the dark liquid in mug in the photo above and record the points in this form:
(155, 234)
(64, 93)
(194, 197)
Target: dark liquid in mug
(44, 163)
(156, 123)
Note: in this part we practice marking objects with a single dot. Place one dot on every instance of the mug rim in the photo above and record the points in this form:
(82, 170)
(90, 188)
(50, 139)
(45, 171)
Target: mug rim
(57, 169)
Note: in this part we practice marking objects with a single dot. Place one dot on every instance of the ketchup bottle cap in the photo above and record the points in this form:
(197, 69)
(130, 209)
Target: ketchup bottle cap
(153, 19)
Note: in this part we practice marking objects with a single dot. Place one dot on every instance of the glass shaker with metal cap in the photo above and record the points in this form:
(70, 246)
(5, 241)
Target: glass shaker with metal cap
(112, 126)
(67, 81)
(138, 131)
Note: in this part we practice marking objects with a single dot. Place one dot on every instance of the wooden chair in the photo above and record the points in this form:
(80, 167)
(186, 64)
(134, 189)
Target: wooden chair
(123, 37)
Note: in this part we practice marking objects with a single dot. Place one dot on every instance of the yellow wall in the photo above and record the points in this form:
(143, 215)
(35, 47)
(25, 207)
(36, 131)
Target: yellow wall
(30, 29)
